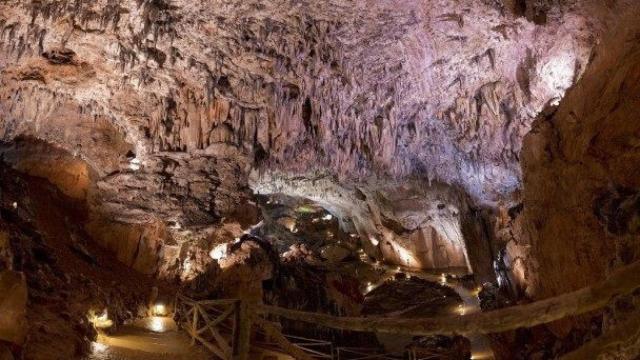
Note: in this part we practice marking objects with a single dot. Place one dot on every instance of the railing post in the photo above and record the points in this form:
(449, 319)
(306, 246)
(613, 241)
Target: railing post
(194, 325)
(242, 343)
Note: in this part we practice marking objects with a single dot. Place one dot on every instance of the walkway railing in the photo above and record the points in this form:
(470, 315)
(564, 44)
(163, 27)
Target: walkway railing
(235, 318)
(354, 353)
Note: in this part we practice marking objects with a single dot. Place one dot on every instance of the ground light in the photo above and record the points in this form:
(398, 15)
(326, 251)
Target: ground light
(462, 310)
(159, 310)
(101, 321)
(157, 324)
(97, 347)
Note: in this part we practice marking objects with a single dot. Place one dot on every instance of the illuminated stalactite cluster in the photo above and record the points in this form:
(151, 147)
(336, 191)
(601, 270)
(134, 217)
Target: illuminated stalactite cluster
(385, 87)
(171, 103)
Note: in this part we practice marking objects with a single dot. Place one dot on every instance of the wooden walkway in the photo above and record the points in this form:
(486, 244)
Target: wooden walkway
(226, 327)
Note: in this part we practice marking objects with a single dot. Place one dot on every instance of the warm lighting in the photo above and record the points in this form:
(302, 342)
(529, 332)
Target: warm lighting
(327, 217)
(461, 310)
(15, 205)
(159, 310)
(219, 252)
(370, 287)
(374, 241)
(484, 354)
(405, 255)
(101, 321)
(134, 164)
(443, 279)
(97, 347)
(157, 324)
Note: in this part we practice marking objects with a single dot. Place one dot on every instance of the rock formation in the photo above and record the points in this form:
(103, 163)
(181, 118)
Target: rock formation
(438, 133)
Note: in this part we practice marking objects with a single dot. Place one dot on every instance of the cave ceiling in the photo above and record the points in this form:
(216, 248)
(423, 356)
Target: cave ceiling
(172, 103)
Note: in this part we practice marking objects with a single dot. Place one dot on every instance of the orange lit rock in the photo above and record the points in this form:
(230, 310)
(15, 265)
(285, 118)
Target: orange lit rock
(13, 307)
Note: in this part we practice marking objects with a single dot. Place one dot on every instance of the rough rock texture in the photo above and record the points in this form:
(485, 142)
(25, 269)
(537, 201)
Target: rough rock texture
(579, 216)
(405, 223)
(580, 190)
(170, 103)
(395, 88)
(67, 275)
(13, 307)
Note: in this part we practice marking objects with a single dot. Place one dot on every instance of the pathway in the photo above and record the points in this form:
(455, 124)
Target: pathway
(153, 338)
(480, 344)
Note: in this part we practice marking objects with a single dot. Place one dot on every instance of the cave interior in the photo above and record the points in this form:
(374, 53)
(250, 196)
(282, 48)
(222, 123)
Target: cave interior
(327, 179)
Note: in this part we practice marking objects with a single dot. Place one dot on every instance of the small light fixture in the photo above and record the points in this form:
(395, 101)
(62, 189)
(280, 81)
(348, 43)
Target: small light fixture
(101, 321)
(15, 205)
(219, 252)
(159, 310)
(327, 217)
(134, 164)
(370, 287)
(157, 324)
(97, 347)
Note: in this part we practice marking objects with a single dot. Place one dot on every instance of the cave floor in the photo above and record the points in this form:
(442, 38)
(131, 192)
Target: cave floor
(149, 339)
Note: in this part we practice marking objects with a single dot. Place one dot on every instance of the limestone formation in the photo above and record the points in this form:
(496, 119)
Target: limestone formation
(235, 147)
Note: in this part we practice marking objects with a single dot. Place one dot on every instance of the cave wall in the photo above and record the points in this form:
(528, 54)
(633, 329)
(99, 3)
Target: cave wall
(408, 223)
(580, 179)
(171, 103)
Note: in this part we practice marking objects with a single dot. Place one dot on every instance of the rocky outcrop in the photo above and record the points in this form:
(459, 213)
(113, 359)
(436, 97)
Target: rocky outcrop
(579, 190)
(577, 220)
(403, 223)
